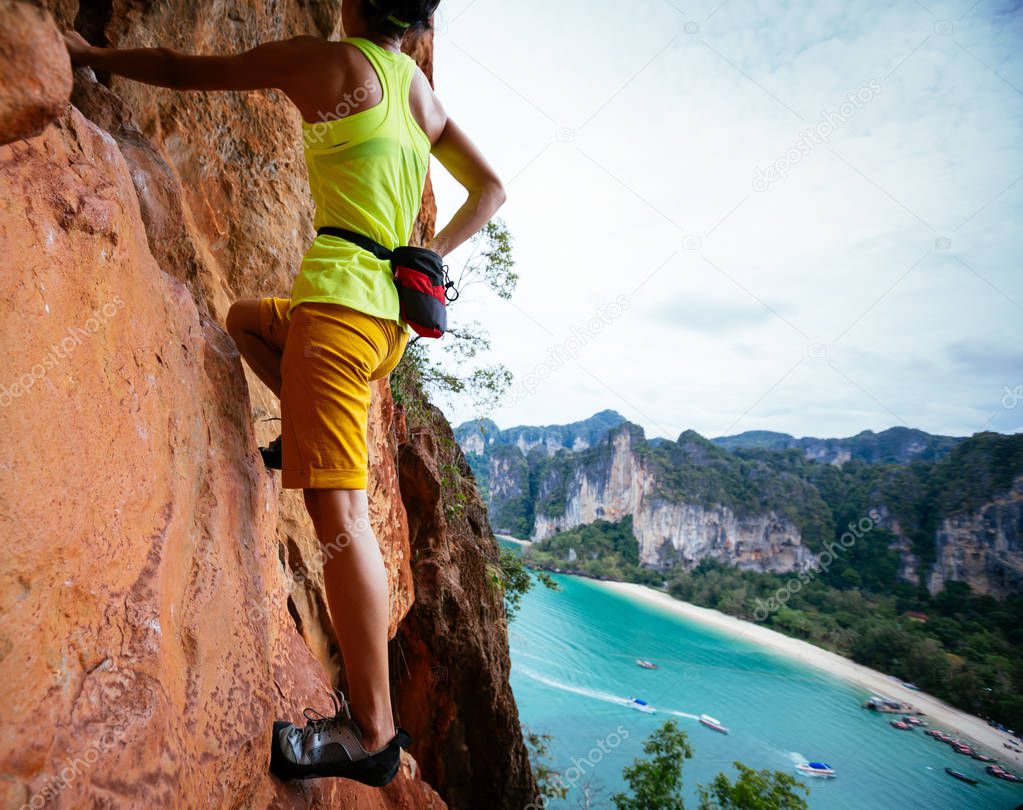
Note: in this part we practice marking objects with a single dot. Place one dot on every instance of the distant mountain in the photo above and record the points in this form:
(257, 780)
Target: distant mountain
(937, 508)
(896, 445)
(479, 435)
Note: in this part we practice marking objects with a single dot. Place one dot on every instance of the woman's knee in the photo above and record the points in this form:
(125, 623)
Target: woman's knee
(340, 515)
(243, 317)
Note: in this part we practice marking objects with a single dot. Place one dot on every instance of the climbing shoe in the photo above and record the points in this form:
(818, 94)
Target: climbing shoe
(272, 454)
(332, 746)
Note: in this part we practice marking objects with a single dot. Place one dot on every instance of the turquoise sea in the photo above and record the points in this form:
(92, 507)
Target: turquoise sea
(573, 666)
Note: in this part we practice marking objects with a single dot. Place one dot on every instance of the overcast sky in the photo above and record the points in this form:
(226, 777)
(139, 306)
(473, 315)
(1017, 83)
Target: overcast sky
(735, 216)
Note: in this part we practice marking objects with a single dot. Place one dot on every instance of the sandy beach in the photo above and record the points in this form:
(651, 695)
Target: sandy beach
(938, 713)
(511, 539)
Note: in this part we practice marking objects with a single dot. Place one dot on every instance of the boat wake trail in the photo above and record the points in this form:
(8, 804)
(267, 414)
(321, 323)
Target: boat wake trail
(797, 758)
(595, 694)
(521, 654)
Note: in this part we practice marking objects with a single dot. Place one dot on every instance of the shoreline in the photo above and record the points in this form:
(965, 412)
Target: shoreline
(938, 713)
(511, 539)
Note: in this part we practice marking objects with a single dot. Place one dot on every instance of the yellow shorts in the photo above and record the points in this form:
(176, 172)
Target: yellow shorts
(331, 354)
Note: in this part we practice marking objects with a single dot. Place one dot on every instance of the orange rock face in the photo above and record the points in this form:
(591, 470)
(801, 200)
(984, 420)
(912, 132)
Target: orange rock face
(162, 597)
(453, 693)
(35, 72)
(147, 640)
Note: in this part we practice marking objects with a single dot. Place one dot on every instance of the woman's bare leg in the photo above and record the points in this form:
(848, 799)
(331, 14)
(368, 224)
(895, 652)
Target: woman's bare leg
(356, 584)
(263, 358)
(353, 570)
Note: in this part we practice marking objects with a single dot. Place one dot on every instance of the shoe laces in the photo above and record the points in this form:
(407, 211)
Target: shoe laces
(317, 721)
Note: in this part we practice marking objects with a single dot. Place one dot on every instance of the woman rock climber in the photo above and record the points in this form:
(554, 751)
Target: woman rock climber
(370, 121)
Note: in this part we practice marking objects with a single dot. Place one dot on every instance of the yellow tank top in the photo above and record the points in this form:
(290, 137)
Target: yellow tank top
(366, 173)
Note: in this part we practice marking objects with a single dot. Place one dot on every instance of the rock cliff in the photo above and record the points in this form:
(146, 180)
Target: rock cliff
(619, 479)
(479, 435)
(162, 597)
(983, 547)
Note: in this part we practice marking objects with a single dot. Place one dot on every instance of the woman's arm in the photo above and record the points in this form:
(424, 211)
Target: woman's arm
(288, 65)
(467, 165)
(271, 65)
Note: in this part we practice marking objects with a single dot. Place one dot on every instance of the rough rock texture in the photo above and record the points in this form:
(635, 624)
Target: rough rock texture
(147, 644)
(622, 485)
(163, 600)
(455, 664)
(35, 72)
(909, 564)
(982, 547)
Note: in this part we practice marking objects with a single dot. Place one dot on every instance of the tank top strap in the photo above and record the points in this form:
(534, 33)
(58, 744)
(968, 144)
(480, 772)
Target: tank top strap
(407, 74)
(393, 69)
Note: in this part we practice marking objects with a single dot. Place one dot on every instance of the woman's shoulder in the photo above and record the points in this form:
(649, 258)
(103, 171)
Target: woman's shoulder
(426, 106)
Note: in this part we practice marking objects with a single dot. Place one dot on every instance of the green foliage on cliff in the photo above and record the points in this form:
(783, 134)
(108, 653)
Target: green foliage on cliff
(602, 550)
(916, 496)
(511, 577)
(477, 464)
(549, 784)
(549, 477)
(984, 464)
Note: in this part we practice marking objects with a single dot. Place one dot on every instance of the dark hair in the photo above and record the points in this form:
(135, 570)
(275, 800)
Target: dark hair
(395, 17)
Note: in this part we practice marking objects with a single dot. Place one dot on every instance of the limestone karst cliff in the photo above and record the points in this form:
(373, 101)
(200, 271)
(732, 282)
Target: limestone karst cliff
(949, 509)
(684, 503)
(983, 547)
(619, 481)
(161, 596)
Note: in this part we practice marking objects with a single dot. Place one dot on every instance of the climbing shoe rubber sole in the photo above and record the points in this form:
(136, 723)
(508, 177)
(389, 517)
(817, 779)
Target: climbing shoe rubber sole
(376, 770)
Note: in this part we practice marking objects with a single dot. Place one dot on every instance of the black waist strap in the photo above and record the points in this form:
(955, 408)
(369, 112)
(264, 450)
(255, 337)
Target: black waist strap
(359, 239)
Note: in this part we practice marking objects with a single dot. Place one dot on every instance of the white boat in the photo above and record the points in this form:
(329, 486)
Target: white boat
(713, 723)
(641, 705)
(817, 769)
